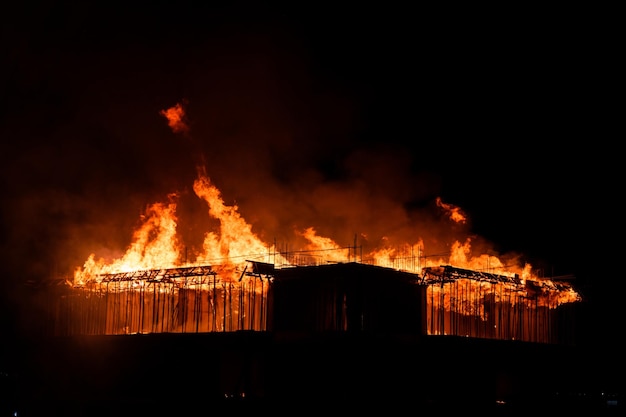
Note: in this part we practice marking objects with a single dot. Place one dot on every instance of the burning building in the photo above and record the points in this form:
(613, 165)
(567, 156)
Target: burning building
(266, 324)
(349, 331)
(308, 299)
(228, 278)
(263, 323)
(237, 282)
(256, 320)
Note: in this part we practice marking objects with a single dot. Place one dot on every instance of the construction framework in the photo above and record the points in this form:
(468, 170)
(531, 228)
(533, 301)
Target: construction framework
(334, 297)
(174, 300)
(479, 304)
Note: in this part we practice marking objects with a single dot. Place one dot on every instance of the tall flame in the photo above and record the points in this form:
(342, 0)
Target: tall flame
(154, 245)
(236, 242)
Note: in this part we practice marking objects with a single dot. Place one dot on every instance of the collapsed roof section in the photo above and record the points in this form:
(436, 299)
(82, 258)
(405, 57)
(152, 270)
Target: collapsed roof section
(159, 275)
(447, 273)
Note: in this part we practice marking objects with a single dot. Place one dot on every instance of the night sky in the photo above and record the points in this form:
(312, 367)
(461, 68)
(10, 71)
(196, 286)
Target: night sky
(505, 114)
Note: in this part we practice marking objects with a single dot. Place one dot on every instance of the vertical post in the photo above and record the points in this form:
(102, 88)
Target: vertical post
(214, 305)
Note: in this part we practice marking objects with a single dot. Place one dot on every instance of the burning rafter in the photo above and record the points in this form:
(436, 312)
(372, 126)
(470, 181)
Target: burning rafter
(447, 273)
(160, 275)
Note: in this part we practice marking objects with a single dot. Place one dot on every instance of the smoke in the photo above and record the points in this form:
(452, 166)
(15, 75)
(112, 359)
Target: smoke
(367, 196)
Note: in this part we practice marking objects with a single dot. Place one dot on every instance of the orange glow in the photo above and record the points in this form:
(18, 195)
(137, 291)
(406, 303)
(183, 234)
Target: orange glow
(328, 250)
(154, 246)
(452, 211)
(176, 118)
(235, 243)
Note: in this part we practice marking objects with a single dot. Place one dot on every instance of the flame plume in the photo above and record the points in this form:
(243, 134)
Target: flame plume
(176, 118)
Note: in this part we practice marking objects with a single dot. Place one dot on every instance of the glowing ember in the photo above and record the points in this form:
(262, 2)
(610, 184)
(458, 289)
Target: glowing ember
(176, 118)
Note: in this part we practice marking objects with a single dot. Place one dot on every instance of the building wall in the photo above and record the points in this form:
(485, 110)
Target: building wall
(347, 298)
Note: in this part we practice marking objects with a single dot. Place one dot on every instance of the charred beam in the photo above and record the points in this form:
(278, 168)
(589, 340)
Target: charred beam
(162, 275)
(447, 273)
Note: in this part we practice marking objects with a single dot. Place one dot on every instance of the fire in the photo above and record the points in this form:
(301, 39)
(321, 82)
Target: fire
(455, 213)
(156, 244)
(176, 118)
(236, 242)
(328, 249)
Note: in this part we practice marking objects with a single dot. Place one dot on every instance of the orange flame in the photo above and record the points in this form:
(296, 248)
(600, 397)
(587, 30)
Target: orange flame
(156, 245)
(329, 250)
(236, 242)
(452, 211)
(176, 118)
